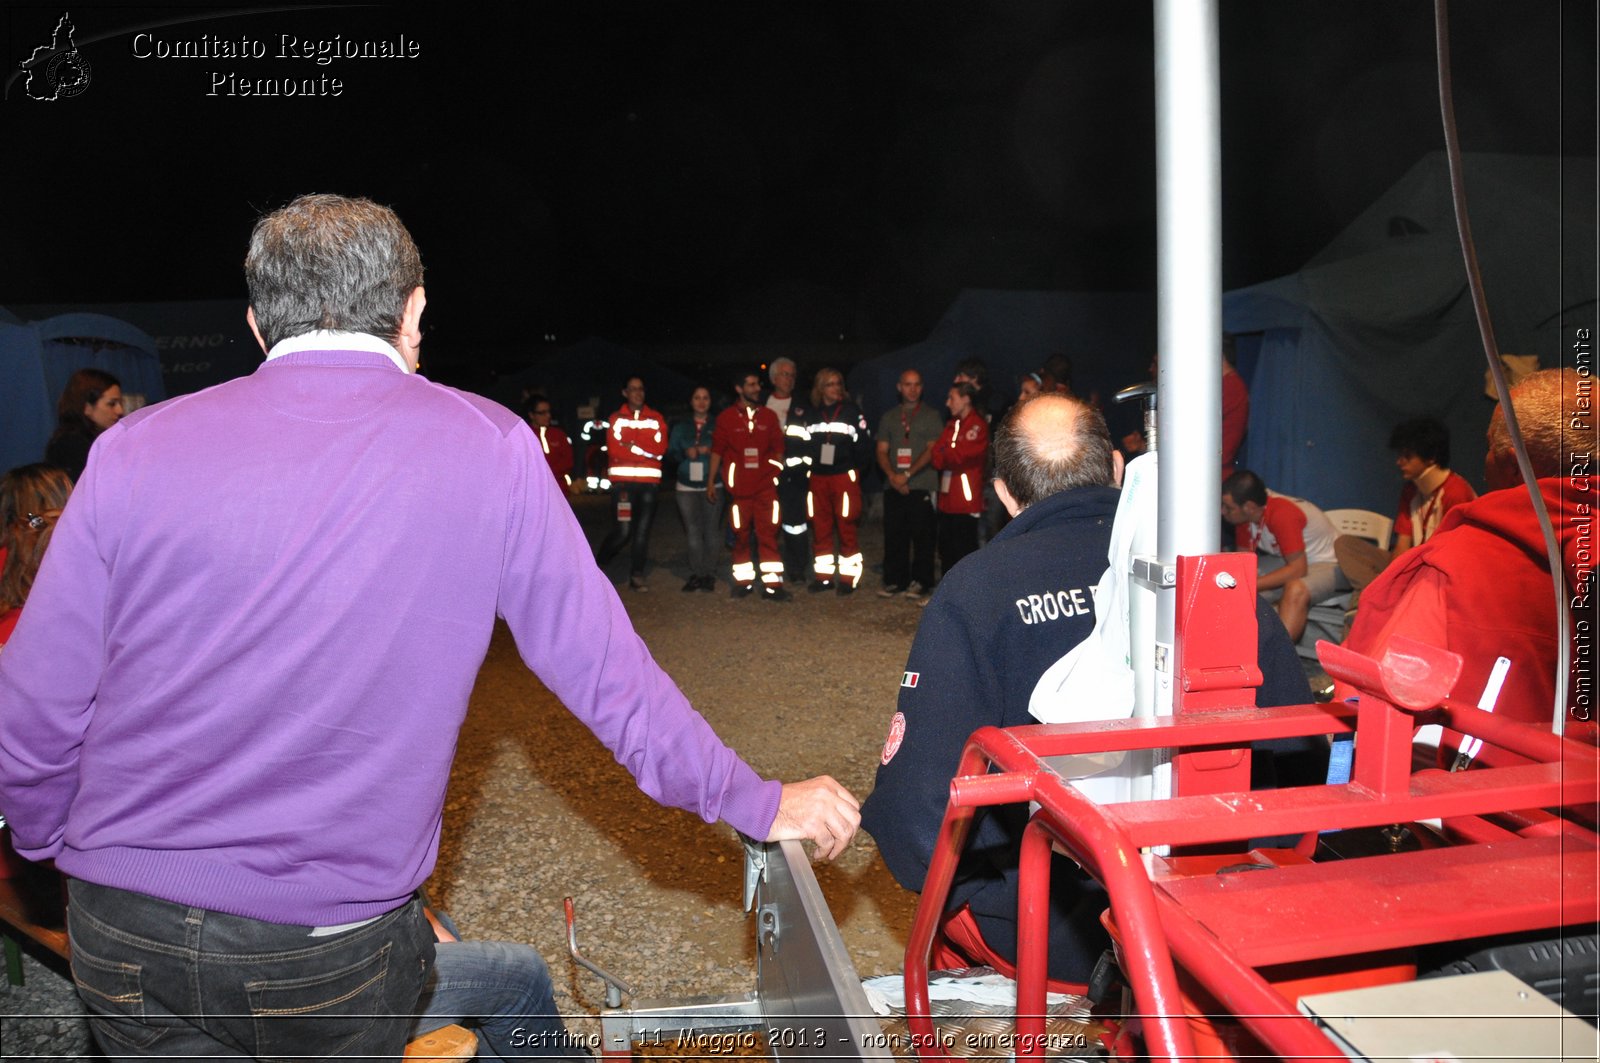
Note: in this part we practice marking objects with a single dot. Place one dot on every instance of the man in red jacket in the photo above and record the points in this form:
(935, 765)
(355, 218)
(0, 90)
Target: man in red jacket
(636, 441)
(747, 455)
(1481, 585)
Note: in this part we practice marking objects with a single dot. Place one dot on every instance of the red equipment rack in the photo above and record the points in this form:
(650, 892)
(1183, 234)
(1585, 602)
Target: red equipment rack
(1518, 860)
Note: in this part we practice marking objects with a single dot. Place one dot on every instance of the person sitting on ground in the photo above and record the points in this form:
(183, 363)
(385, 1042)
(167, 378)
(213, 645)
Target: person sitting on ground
(1293, 542)
(1481, 587)
(1422, 454)
(89, 404)
(31, 500)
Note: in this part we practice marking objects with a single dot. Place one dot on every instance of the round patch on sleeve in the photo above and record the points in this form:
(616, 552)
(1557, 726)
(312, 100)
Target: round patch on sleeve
(897, 734)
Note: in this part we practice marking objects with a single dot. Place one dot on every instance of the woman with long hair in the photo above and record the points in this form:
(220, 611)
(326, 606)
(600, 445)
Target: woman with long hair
(90, 403)
(31, 499)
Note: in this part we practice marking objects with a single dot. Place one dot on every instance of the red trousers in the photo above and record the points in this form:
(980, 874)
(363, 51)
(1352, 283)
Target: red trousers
(757, 515)
(835, 503)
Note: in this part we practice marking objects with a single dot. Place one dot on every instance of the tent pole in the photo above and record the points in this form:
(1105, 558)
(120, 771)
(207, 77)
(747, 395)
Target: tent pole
(1188, 296)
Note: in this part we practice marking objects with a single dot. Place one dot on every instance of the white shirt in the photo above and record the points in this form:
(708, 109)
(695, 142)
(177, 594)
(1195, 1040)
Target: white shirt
(335, 340)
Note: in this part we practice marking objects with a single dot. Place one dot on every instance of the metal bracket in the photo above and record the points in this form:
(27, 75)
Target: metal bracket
(755, 869)
(767, 929)
(1152, 573)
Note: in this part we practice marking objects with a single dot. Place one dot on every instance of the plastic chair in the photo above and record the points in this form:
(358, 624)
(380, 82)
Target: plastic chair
(1364, 524)
(1326, 619)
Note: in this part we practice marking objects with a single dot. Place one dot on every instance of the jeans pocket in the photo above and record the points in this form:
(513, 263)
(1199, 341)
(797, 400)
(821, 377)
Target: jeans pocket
(115, 998)
(329, 1010)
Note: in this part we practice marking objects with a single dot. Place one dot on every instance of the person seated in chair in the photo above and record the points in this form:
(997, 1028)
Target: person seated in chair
(1293, 543)
(1422, 449)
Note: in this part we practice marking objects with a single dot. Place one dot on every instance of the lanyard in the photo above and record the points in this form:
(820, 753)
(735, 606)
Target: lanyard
(905, 423)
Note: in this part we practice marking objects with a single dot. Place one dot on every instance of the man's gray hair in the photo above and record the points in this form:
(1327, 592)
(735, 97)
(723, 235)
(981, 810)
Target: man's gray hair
(1545, 403)
(330, 262)
(777, 364)
(1051, 444)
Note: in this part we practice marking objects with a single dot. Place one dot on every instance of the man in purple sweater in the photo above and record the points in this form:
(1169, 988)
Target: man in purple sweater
(230, 708)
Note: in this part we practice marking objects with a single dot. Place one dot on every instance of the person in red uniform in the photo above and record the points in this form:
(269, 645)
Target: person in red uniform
(959, 455)
(1481, 585)
(636, 441)
(747, 455)
(840, 447)
(552, 440)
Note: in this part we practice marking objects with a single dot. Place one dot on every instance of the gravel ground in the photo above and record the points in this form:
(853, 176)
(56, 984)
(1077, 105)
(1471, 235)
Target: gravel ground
(538, 810)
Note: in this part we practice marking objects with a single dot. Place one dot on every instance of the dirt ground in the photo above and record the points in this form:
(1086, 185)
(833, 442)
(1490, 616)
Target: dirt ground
(538, 810)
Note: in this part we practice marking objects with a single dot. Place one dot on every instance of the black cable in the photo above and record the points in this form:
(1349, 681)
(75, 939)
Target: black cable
(1491, 351)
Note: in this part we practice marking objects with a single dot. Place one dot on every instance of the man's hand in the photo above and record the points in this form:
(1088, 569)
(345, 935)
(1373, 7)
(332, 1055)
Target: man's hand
(711, 491)
(819, 809)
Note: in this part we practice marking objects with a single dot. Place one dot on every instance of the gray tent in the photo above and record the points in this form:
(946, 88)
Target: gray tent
(1379, 327)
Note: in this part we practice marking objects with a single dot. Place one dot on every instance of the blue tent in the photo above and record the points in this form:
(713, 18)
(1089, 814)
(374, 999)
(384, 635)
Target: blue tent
(37, 358)
(1379, 326)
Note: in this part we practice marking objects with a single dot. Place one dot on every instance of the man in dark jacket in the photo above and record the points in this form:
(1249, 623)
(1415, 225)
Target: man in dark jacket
(980, 650)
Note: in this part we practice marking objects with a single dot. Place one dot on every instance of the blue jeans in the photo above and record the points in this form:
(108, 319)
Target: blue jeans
(700, 520)
(636, 531)
(164, 979)
(500, 989)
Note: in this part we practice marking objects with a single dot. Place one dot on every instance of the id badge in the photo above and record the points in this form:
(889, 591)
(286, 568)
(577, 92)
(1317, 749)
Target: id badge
(945, 479)
(624, 510)
(827, 453)
(902, 458)
(752, 458)
(697, 471)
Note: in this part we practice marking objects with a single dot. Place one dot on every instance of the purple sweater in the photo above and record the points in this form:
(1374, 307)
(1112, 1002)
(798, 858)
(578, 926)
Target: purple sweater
(242, 669)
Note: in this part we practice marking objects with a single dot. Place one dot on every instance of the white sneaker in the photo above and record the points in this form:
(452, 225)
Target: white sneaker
(916, 590)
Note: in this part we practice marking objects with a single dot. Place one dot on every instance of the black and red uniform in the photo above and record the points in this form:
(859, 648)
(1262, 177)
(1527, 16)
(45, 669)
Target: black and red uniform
(840, 446)
(749, 443)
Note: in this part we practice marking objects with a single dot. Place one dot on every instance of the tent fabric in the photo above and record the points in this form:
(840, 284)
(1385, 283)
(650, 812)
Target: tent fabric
(1110, 337)
(37, 358)
(1379, 326)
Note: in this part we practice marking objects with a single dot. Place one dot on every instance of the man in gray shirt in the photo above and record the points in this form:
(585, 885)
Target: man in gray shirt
(905, 454)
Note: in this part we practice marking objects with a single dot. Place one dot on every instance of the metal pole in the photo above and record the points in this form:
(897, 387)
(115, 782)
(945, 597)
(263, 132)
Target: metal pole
(1189, 334)
(1189, 288)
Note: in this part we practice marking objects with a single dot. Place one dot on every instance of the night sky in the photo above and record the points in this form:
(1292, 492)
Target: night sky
(742, 172)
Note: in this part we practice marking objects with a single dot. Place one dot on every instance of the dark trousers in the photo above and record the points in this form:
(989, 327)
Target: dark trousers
(958, 537)
(164, 979)
(794, 533)
(908, 523)
(635, 531)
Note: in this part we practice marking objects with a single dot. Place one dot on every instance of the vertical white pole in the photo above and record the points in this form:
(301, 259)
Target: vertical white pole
(1188, 307)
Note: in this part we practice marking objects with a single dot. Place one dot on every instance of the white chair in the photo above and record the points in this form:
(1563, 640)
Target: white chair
(1326, 619)
(1364, 524)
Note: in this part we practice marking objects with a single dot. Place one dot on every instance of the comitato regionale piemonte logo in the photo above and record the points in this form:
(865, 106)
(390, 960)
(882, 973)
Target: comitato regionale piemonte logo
(56, 71)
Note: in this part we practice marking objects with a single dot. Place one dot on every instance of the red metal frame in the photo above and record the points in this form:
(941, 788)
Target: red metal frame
(1527, 869)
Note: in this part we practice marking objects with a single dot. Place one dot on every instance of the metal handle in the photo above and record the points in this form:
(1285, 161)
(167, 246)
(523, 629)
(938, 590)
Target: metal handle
(615, 986)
